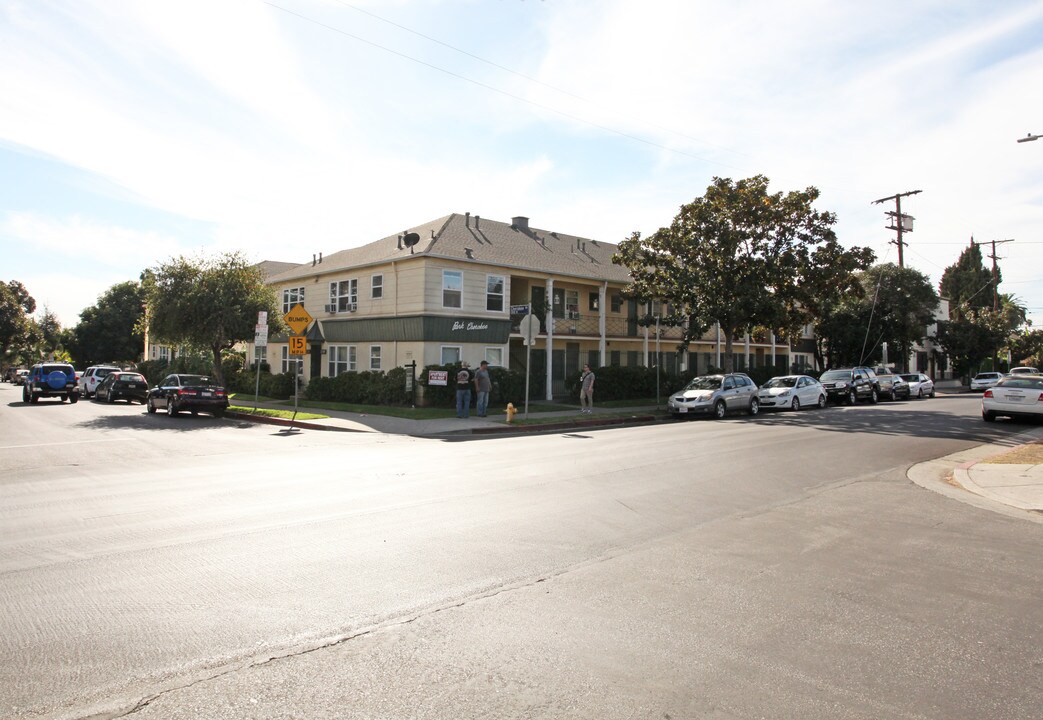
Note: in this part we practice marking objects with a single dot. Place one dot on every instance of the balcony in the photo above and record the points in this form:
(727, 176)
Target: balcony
(587, 325)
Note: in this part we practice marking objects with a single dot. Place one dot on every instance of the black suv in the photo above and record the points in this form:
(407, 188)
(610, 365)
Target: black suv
(849, 385)
(50, 380)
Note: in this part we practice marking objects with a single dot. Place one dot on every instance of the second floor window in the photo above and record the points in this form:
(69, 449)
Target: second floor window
(291, 297)
(344, 295)
(494, 293)
(572, 303)
(377, 287)
(617, 303)
(452, 288)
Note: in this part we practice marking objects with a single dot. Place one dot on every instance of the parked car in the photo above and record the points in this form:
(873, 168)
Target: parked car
(920, 385)
(50, 380)
(985, 380)
(849, 385)
(1024, 370)
(1015, 396)
(791, 392)
(93, 376)
(121, 385)
(18, 378)
(194, 393)
(715, 395)
(10, 373)
(892, 386)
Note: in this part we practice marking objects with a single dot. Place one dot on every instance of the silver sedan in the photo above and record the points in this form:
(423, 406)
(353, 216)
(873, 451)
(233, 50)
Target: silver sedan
(920, 386)
(791, 392)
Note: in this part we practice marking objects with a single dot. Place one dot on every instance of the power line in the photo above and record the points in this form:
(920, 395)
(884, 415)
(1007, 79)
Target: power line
(491, 88)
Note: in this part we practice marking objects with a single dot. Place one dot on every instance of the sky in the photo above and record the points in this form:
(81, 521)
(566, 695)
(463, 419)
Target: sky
(134, 131)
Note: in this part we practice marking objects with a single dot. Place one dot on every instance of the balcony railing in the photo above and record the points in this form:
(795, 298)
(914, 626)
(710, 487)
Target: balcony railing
(588, 325)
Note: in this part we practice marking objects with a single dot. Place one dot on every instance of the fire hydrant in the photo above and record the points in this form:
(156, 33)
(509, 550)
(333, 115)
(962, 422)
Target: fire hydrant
(510, 412)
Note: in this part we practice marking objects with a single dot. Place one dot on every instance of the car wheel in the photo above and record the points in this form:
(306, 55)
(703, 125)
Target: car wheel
(25, 394)
(892, 397)
(171, 408)
(919, 394)
(874, 397)
(852, 397)
(795, 405)
(34, 398)
(755, 406)
(150, 406)
(988, 416)
(719, 409)
(219, 413)
(109, 398)
(932, 392)
(194, 412)
(821, 401)
(73, 397)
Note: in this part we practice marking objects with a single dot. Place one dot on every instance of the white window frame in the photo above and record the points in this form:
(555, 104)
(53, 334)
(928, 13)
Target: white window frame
(572, 303)
(376, 286)
(491, 297)
(459, 354)
(287, 359)
(459, 291)
(494, 356)
(344, 295)
(374, 357)
(340, 359)
(260, 355)
(290, 297)
(164, 352)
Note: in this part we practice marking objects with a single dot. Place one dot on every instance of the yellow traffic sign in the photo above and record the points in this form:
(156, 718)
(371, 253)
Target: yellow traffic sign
(298, 345)
(298, 318)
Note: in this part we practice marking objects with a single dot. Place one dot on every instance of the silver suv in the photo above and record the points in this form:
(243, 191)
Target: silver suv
(715, 395)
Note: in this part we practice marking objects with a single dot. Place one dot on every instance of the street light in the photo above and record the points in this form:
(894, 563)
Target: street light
(1029, 138)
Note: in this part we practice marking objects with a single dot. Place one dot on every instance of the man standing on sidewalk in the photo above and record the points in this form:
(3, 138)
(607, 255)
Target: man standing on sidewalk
(483, 385)
(586, 390)
(463, 392)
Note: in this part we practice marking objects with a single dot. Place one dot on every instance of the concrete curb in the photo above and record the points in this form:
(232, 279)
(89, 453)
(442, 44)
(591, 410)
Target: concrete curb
(283, 422)
(557, 426)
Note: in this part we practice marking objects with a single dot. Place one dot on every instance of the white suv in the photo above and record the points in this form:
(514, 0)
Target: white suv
(93, 376)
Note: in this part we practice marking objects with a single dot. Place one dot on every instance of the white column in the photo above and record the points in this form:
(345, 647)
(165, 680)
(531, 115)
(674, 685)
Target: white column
(747, 345)
(550, 338)
(602, 344)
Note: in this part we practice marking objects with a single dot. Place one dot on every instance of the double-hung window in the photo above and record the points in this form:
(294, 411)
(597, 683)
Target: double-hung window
(572, 303)
(290, 297)
(494, 285)
(376, 287)
(374, 357)
(452, 288)
(344, 295)
(291, 362)
(341, 359)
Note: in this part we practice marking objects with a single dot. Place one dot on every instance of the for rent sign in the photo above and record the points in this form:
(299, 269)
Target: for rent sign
(437, 377)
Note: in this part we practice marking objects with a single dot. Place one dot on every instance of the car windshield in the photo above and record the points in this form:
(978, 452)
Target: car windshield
(705, 382)
(1024, 371)
(986, 376)
(1030, 383)
(911, 377)
(836, 375)
(201, 380)
(779, 382)
(130, 377)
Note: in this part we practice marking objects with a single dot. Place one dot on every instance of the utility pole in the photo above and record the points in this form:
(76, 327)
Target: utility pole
(995, 271)
(899, 221)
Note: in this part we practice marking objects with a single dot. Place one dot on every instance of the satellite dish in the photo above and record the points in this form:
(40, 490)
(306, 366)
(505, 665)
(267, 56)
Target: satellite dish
(410, 239)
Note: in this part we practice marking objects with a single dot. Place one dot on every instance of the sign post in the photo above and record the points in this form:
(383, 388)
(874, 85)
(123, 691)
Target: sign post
(260, 341)
(298, 319)
(529, 328)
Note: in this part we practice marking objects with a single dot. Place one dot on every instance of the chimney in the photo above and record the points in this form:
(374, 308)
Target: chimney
(521, 222)
(320, 258)
(476, 219)
(400, 242)
(467, 219)
(313, 259)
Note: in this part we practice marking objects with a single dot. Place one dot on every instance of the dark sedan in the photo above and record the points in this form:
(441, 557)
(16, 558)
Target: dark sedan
(127, 386)
(194, 393)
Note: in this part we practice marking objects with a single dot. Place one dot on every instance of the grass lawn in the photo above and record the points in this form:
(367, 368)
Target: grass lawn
(272, 412)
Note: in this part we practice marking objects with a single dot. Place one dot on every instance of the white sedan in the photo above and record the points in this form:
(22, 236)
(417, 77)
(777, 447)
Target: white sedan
(985, 380)
(920, 386)
(1014, 396)
(791, 392)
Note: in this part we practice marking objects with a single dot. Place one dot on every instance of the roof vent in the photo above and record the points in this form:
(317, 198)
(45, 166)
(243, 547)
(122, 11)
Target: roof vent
(467, 219)
(521, 222)
(476, 219)
(470, 253)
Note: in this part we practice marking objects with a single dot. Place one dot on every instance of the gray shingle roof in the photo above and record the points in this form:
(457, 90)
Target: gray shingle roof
(467, 238)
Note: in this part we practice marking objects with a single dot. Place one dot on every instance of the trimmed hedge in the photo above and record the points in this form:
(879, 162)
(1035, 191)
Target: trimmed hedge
(508, 386)
(362, 388)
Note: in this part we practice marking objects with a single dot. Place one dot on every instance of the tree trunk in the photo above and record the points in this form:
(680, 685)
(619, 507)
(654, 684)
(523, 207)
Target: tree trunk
(219, 375)
(729, 355)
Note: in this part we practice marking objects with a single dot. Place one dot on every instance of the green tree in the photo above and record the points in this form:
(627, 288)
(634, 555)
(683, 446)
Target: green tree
(968, 284)
(16, 308)
(895, 306)
(742, 257)
(1026, 348)
(209, 303)
(971, 339)
(110, 330)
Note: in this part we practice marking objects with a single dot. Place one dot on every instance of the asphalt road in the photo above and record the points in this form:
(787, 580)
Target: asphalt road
(781, 566)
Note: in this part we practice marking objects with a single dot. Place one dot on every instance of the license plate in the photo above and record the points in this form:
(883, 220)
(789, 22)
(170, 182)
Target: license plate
(682, 409)
(1015, 398)
(207, 394)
